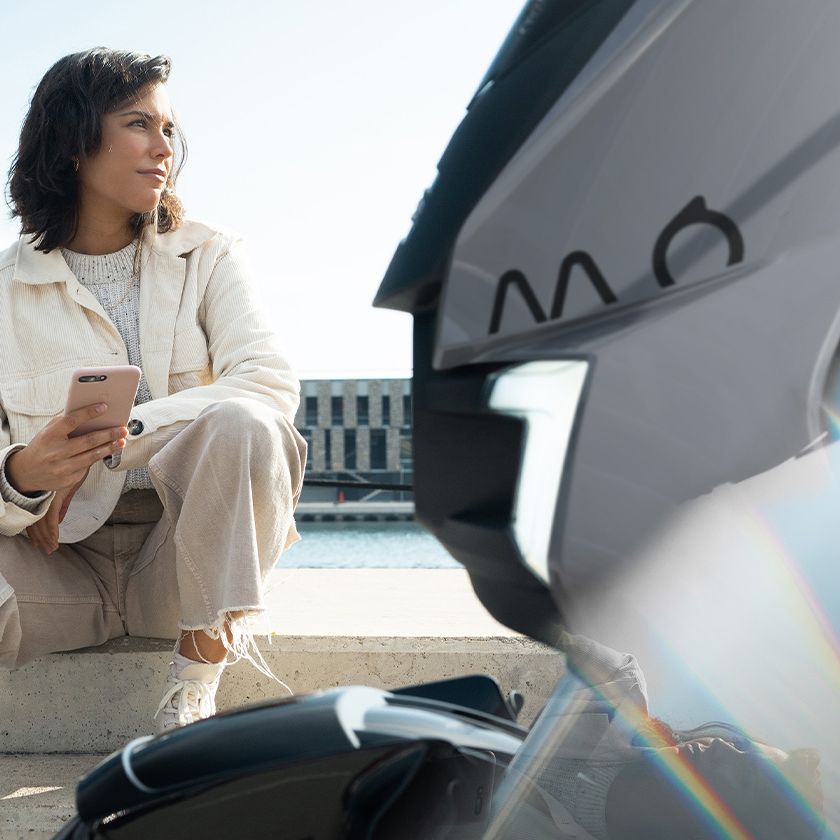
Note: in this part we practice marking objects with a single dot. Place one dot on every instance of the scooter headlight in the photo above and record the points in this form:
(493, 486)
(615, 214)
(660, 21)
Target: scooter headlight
(546, 396)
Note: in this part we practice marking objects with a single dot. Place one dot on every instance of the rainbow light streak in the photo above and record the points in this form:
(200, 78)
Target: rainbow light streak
(697, 791)
(783, 784)
(810, 610)
(814, 620)
(833, 416)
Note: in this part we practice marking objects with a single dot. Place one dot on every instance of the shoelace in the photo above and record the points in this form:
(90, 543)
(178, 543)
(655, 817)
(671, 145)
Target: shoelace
(196, 700)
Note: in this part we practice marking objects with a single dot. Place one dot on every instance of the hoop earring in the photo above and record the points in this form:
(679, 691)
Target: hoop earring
(75, 164)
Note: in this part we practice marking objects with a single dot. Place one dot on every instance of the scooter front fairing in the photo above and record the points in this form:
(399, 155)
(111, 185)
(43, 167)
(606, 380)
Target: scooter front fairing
(626, 325)
(353, 762)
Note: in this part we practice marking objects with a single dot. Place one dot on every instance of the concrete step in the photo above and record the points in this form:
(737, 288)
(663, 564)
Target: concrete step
(323, 628)
(37, 793)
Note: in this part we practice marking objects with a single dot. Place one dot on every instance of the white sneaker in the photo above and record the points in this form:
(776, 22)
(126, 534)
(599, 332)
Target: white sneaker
(190, 694)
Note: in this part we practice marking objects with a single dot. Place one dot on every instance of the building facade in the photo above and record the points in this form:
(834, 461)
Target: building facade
(357, 430)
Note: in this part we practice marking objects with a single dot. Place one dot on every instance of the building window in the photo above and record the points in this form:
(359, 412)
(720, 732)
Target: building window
(337, 405)
(378, 450)
(327, 449)
(406, 455)
(386, 410)
(311, 411)
(306, 434)
(349, 449)
(362, 415)
(407, 409)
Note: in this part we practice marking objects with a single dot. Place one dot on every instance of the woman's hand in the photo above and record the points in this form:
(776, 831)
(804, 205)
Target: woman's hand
(54, 461)
(44, 533)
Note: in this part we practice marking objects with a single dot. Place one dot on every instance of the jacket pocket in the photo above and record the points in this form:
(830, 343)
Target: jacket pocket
(189, 351)
(30, 403)
(190, 366)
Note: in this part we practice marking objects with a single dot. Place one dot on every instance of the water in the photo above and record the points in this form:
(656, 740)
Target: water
(367, 545)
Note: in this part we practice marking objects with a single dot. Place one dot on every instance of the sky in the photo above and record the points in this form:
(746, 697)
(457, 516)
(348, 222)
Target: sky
(313, 129)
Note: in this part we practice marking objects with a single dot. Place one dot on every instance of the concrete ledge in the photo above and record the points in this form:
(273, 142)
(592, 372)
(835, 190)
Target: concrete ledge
(95, 701)
(405, 626)
(37, 793)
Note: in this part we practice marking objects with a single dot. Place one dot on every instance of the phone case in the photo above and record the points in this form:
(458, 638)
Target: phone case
(115, 386)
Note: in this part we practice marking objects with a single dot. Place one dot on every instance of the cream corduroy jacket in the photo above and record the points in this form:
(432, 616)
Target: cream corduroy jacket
(203, 339)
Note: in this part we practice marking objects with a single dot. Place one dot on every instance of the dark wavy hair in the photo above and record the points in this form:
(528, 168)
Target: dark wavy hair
(65, 121)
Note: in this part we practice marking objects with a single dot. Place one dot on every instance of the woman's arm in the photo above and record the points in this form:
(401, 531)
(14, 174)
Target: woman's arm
(245, 362)
(17, 512)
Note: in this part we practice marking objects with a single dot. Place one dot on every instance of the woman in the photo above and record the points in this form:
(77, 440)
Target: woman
(169, 526)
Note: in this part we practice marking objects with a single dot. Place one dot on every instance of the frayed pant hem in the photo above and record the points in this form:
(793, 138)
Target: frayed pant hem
(214, 629)
(239, 643)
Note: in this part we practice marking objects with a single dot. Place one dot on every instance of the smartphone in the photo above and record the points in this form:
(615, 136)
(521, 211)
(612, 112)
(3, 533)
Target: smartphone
(114, 386)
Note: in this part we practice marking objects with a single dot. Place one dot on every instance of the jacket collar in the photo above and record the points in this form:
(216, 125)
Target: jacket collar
(36, 267)
(178, 243)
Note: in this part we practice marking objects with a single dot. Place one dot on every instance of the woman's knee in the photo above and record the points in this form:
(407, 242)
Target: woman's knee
(240, 419)
(247, 431)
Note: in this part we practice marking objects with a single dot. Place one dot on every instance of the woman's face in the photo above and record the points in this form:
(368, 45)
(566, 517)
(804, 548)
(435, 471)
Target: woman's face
(129, 172)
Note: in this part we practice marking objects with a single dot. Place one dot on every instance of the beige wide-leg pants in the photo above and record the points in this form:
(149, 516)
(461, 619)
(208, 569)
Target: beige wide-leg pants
(178, 557)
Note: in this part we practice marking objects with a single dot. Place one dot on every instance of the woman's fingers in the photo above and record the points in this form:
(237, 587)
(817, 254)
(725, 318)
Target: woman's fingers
(43, 535)
(49, 523)
(95, 440)
(68, 423)
(51, 518)
(67, 497)
(64, 506)
(76, 467)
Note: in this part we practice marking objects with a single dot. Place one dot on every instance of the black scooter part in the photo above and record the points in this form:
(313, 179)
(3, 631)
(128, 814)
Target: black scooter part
(466, 465)
(429, 789)
(547, 47)
(218, 749)
(477, 691)
(286, 799)
(409, 790)
(304, 749)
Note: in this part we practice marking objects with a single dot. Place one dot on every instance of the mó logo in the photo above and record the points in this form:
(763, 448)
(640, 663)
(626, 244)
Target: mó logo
(694, 213)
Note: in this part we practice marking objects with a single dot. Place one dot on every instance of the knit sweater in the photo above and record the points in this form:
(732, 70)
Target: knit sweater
(113, 282)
